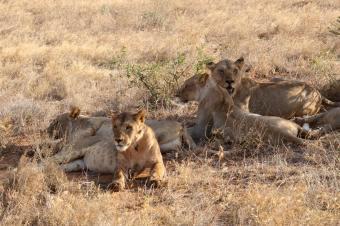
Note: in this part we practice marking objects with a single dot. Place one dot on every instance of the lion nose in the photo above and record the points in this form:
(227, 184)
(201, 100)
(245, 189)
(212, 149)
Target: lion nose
(118, 140)
(230, 82)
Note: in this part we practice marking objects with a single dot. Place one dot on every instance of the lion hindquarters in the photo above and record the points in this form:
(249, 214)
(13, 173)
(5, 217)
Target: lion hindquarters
(101, 158)
(171, 135)
(177, 139)
(171, 145)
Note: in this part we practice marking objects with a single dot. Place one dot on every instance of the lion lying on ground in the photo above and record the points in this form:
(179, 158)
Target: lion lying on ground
(90, 138)
(326, 122)
(216, 104)
(285, 99)
(137, 148)
(84, 142)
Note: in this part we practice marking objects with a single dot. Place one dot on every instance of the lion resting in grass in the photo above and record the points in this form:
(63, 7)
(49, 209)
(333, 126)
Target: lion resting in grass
(216, 104)
(326, 121)
(285, 99)
(137, 148)
(86, 142)
(171, 135)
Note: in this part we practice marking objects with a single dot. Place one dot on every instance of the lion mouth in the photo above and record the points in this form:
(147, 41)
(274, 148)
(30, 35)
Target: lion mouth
(230, 90)
(121, 147)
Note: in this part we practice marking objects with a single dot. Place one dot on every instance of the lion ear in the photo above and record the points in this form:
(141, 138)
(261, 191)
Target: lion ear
(211, 65)
(140, 115)
(240, 62)
(248, 68)
(74, 112)
(203, 78)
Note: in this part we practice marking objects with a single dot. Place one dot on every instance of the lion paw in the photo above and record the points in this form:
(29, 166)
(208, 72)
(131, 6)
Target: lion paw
(117, 186)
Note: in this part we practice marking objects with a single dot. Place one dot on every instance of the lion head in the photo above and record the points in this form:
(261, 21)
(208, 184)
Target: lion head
(60, 124)
(71, 123)
(190, 90)
(127, 128)
(227, 74)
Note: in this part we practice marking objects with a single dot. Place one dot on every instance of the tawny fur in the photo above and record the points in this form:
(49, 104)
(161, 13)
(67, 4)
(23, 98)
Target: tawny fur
(216, 104)
(326, 121)
(86, 143)
(90, 138)
(75, 112)
(137, 148)
(167, 131)
(281, 98)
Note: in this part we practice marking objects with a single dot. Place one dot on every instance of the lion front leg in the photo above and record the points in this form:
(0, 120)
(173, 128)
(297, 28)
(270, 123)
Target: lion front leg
(118, 180)
(309, 119)
(199, 131)
(188, 139)
(157, 173)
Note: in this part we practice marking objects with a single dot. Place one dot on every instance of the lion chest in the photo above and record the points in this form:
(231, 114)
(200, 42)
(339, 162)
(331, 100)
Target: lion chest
(143, 154)
(133, 159)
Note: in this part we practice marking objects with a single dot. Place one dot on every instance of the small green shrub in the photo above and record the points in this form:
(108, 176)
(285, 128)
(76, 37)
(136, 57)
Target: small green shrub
(202, 60)
(160, 79)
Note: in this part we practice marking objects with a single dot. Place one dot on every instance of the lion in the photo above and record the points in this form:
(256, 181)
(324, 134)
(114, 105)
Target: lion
(84, 142)
(137, 148)
(171, 135)
(216, 104)
(282, 98)
(79, 139)
(326, 121)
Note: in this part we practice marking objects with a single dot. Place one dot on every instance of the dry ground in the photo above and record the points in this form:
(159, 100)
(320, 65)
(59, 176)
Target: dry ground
(119, 54)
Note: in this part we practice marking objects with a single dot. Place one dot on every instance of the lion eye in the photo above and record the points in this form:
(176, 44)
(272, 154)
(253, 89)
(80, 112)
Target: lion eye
(128, 127)
(221, 71)
(235, 71)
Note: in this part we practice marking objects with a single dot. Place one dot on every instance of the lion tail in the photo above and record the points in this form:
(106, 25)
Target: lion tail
(330, 103)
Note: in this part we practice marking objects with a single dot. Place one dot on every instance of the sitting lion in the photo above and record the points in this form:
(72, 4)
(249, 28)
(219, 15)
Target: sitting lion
(137, 148)
(216, 104)
(285, 99)
(327, 121)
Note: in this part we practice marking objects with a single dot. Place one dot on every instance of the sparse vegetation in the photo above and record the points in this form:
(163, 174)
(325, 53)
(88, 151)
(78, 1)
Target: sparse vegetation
(335, 27)
(160, 79)
(118, 54)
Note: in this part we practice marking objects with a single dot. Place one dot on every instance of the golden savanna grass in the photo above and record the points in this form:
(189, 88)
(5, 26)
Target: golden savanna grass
(103, 55)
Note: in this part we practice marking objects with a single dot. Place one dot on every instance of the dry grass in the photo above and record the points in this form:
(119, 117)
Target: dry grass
(120, 54)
